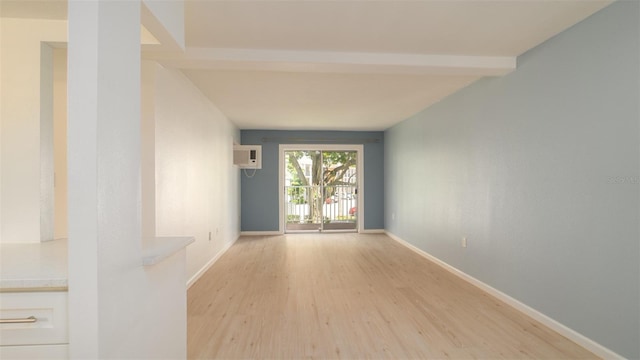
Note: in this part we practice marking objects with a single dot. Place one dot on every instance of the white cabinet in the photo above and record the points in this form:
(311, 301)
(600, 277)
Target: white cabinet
(34, 352)
(33, 325)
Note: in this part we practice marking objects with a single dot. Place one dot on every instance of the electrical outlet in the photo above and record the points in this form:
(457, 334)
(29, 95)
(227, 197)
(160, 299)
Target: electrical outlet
(209, 235)
(393, 216)
(464, 242)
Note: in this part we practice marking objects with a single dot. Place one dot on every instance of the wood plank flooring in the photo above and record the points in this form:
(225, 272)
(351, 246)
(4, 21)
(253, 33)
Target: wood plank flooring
(351, 296)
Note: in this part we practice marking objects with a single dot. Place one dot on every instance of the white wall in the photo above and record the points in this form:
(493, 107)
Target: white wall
(20, 120)
(148, 148)
(197, 187)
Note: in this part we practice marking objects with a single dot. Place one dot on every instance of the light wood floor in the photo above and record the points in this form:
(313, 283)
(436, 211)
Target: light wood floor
(352, 296)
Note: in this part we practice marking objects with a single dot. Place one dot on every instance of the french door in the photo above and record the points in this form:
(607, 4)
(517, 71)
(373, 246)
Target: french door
(320, 188)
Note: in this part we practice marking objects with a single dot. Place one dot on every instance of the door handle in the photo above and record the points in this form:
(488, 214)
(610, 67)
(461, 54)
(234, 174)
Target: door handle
(27, 320)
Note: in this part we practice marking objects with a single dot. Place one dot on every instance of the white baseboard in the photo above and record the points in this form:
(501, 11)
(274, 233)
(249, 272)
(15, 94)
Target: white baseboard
(210, 263)
(372, 231)
(259, 233)
(563, 330)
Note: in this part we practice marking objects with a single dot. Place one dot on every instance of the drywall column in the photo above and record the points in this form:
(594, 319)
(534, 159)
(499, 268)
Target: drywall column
(106, 280)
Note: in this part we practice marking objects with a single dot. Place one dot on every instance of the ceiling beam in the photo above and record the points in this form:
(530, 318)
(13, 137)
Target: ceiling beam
(335, 62)
(164, 20)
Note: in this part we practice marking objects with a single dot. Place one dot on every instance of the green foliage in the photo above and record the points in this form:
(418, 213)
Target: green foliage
(297, 194)
(345, 218)
(331, 171)
(291, 218)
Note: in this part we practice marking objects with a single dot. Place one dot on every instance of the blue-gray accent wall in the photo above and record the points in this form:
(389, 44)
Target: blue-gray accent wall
(259, 194)
(540, 171)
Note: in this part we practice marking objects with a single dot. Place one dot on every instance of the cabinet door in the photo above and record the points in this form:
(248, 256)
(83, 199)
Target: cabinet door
(35, 352)
(49, 310)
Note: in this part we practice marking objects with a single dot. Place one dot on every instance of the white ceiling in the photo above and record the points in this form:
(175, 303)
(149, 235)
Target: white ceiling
(321, 101)
(301, 66)
(454, 27)
(346, 65)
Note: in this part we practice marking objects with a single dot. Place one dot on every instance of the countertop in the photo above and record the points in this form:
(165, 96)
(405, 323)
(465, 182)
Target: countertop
(43, 266)
(154, 250)
(34, 266)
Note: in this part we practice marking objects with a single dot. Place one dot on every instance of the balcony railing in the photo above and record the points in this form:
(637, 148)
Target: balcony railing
(321, 207)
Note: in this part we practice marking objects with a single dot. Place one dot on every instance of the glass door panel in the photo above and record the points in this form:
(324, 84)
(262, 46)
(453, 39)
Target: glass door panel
(320, 190)
(303, 192)
(340, 210)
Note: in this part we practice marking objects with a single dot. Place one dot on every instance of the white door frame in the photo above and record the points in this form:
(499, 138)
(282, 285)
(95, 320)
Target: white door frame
(359, 149)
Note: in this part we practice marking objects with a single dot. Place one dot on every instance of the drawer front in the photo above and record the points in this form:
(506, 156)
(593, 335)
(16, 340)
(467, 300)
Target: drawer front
(34, 352)
(49, 310)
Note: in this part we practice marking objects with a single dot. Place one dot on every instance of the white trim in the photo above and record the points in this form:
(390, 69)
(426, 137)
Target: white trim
(360, 174)
(210, 263)
(372, 231)
(260, 233)
(281, 224)
(334, 61)
(563, 330)
(358, 148)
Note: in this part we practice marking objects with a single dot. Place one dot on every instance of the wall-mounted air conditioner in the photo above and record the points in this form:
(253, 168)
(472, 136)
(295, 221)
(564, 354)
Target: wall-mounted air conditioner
(247, 156)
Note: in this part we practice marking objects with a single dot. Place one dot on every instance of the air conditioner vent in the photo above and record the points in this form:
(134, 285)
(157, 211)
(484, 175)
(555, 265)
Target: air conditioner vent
(247, 156)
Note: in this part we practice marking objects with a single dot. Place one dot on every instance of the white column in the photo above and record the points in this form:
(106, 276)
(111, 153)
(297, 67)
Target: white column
(105, 274)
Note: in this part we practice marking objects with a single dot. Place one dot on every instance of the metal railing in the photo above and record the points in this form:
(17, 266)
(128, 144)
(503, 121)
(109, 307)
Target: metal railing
(326, 205)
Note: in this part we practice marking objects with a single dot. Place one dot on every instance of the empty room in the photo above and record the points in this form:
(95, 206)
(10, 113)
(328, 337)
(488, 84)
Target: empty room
(222, 179)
